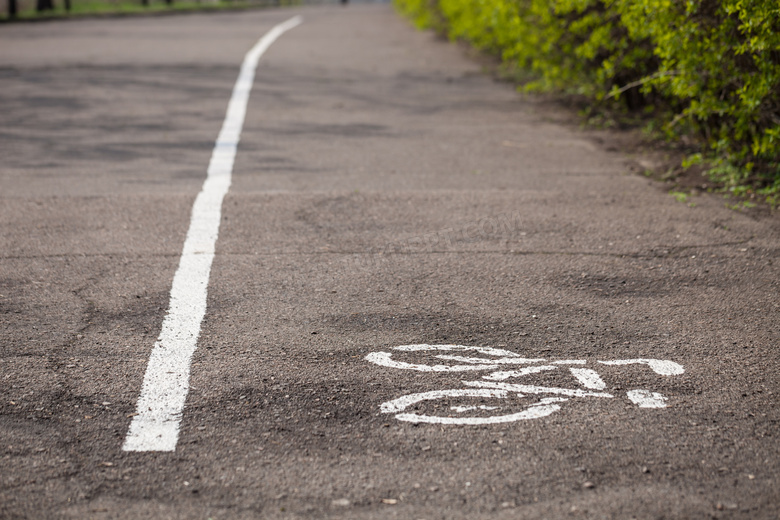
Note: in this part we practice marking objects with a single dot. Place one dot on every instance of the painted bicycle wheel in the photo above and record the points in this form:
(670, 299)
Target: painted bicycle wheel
(475, 412)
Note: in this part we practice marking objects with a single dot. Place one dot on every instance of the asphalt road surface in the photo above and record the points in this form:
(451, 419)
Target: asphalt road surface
(430, 297)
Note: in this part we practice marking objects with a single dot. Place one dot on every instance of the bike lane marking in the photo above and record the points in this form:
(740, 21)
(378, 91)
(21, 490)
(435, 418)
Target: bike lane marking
(488, 387)
(155, 427)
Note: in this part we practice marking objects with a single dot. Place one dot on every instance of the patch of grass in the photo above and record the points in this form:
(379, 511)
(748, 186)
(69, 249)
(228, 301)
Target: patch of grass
(741, 205)
(683, 197)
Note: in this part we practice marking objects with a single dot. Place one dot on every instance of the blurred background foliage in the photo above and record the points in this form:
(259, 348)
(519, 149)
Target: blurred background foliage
(702, 69)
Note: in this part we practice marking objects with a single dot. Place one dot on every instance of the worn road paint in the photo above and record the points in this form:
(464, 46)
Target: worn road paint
(647, 399)
(491, 387)
(508, 358)
(488, 351)
(659, 366)
(588, 378)
(541, 409)
(502, 375)
(384, 359)
(499, 361)
(402, 403)
(155, 427)
(532, 389)
(462, 409)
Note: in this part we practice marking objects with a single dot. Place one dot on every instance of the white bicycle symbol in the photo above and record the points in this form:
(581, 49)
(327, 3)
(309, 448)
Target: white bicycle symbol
(505, 365)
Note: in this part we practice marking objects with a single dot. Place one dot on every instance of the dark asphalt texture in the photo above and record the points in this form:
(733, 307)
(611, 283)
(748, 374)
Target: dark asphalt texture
(386, 192)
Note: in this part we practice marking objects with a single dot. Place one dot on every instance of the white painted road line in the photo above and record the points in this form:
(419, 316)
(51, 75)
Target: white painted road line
(155, 427)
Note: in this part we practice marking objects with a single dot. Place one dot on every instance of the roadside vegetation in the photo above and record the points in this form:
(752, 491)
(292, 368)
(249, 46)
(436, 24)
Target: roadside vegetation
(702, 72)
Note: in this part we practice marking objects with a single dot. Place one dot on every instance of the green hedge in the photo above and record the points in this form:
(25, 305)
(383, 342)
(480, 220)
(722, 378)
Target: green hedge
(714, 65)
